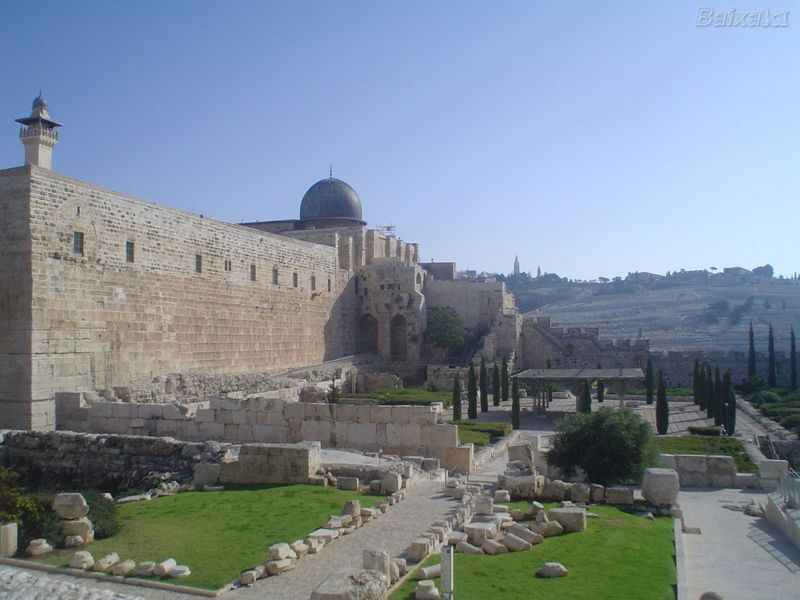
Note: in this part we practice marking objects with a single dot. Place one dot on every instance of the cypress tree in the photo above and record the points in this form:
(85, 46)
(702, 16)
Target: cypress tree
(456, 399)
(504, 381)
(751, 354)
(662, 407)
(719, 399)
(709, 391)
(472, 394)
(772, 374)
(729, 397)
(585, 399)
(495, 385)
(484, 387)
(515, 404)
(701, 386)
(648, 382)
(601, 387)
(696, 381)
(793, 362)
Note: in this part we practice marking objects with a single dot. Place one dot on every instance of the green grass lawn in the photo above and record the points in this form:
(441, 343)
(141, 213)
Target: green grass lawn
(619, 556)
(699, 444)
(219, 534)
(409, 395)
(481, 434)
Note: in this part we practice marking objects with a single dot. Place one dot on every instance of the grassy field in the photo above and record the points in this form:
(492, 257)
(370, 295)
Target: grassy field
(699, 444)
(219, 534)
(481, 434)
(409, 395)
(619, 556)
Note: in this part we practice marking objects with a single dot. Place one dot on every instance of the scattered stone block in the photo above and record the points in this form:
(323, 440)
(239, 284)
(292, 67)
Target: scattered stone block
(526, 534)
(352, 508)
(660, 486)
(276, 567)
(70, 506)
(38, 547)
(467, 548)
(314, 545)
(9, 543)
(616, 495)
(104, 564)
(81, 560)
(376, 560)
(490, 546)
(347, 483)
(455, 537)
(180, 571)
(349, 584)
(124, 568)
(522, 453)
(477, 532)
(281, 551)
(339, 521)
(502, 496)
(598, 493)
(324, 535)
(391, 482)
(548, 528)
(426, 590)
(163, 568)
(648, 516)
(145, 569)
(82, 527)
(402, 566)
(299, 548)
(134, 498)
(552, 569)
(431, 572)
(571, 519)
(484, 506)
(73, 541)
(535, 507)
(515, 543)
(251, 576)
(420, 548)
(517, 515)
(580, 492)
(394, 572)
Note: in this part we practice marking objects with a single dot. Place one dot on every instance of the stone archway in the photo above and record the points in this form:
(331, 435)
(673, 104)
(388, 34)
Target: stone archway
(399, 337)
(367, 334)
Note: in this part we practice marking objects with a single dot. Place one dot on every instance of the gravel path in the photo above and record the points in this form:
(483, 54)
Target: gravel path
(20, 584)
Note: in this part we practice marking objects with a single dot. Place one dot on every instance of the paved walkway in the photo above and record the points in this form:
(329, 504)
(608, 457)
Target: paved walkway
(736, 556)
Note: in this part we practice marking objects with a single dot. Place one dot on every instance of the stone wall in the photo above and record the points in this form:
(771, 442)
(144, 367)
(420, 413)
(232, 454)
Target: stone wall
(402, 430)
(95, 320)
(477, 303)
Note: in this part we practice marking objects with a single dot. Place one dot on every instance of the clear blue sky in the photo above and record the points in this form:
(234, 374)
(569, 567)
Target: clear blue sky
(590, 138)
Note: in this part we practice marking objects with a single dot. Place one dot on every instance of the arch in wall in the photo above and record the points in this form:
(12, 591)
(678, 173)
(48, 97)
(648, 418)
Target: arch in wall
(399, 337)
(367, 334)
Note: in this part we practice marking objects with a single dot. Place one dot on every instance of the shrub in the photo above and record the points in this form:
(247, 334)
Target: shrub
(39, 521)
(709, 431)
(780, 411)
(792, 422)
(764, 397)
(103, 513)
(13, 502)
(610, 445)
(446, 330)
(752, 384)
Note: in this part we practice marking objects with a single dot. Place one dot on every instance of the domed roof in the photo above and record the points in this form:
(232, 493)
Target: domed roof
(330, 198)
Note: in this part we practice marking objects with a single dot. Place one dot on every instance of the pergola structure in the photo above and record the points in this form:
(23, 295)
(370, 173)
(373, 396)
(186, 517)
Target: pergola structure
(617, 381)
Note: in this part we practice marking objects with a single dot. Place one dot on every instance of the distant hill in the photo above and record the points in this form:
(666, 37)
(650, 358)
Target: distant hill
(685, 310)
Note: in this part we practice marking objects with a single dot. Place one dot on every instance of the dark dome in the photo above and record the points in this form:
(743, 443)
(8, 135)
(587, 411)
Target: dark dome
(330, 199)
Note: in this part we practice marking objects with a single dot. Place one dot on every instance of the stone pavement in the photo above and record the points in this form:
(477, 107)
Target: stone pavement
(736, 556)
(20, 584)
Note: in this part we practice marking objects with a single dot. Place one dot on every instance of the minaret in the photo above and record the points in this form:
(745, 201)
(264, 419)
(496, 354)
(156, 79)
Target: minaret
(38, 134)
(516, 265)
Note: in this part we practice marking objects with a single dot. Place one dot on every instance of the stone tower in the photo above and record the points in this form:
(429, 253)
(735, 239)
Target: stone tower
(38, 134)
(516, 265)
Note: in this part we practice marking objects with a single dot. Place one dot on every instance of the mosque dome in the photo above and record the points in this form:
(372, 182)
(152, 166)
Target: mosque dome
(330, 198)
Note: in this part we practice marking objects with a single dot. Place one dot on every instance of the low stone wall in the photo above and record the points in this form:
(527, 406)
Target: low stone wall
(402, 430)
(698, 470)
(778, 512)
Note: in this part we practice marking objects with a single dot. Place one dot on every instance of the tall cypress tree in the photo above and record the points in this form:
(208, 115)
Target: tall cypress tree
(792, 362)
(701, 386)
(472, 393)
(484, 388)
(709, 389)
(729, 397)
(585, 399)
(648, 382)
(696, 381)
(601, 387)
(772, 374)
(662, 406)
(456, 399)
(515, 404)
(504, 380)
(751, 354)
(719, 399)
(495, 385)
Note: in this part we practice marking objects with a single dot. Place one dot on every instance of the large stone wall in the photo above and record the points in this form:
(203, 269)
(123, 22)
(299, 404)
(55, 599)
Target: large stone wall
(98, 321)
(477, 303)
(402, 430)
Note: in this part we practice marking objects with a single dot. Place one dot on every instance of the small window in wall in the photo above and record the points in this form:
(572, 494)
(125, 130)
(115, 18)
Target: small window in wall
(228, 265)
(129, 252)
(313, 283)
(329, 284)
(252, 272)
(275, 276)
(77, 242)
(198, 263)
(294, 279)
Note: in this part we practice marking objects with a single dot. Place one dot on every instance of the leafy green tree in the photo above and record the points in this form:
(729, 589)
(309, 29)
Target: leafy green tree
(719, 399)
(484, 388)
(472, 393)
(446, 330)
(730, 403)
(495, 385)
(772, 373)
(751, 354)
(515, 404)
(456, 399)
(504, 382)
(585, 398)
(610, 445)
(662, 406)
(649, 382)
(792, 362)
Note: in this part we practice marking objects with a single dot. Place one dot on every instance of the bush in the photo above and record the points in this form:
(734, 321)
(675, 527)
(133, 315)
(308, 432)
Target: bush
(13, 502)
(764, 397)
(446, 330)
(709, 431)
(103, 514)
(610, 445)
(778, 410)
(792, 422)
(39, 521)
(752, 384)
